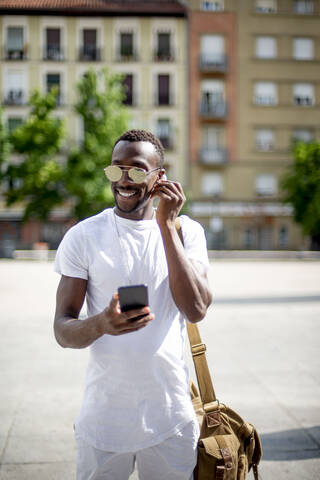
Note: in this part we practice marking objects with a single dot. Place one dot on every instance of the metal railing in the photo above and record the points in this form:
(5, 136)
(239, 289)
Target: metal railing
(53, 52)
(213, 156)
(14, 97)
(213, 109)
(163, 56)
(15, 53)
(90, 53)
(213, 63)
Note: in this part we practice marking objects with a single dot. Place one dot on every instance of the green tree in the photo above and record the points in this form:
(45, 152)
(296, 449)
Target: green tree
(5, 149)
(104, 119)
(301, 185)
(36, 179)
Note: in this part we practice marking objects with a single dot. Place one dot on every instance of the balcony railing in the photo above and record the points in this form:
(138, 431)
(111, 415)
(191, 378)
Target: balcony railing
(90, 53)
(213, 156)
(53, 52)
(299, 100)
(14, 97)
(214, 109)
(127, 56)
(15, 53)
(163, 56)
(213, 63)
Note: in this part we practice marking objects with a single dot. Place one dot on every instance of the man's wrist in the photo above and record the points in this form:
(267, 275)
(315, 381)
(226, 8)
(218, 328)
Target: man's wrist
(100, 324)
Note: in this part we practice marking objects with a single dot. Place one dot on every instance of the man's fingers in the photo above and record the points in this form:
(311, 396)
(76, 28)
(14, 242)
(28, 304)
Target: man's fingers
(114, 304)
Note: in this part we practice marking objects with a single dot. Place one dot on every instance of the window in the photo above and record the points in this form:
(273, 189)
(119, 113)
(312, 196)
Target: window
(303, 48)
(89, 50)
(265, 185)
(53, 46)
(266, 47)
(212, 51)
(15, 88)
(265, 140)
(265, 93)
(303, 94)
(126, 45)
(212, 6)
(213, 148)
(53, 80)
(283, 237)
(266, 6)
(13, 123)
(302, 135)
(212, 184)
(303, 6)
(163, 51)
(128, 89)
(15, 44)
(163, 132)
(249, 238)
(163, 90)
(213, 98)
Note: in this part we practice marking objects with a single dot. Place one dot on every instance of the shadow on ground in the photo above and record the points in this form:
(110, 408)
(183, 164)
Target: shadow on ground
(297, 444)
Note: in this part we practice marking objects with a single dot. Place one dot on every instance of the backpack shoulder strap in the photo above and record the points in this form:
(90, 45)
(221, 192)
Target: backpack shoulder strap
(198, 350)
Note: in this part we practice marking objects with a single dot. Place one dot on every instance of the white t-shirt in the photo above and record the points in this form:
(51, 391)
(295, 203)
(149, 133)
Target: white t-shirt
(136, 392)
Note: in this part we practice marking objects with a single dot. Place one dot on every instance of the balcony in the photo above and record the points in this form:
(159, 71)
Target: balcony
(15, 53)
(53, 53)
(213, 156)
(129, 56)
(213, 63)
(303, 100)
(14, 97)
(213, 109)
(90, 53)
(163, 55)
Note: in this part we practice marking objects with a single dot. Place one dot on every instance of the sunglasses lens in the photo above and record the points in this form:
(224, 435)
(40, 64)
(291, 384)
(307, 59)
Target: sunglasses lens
(113, 173)
(137, 175)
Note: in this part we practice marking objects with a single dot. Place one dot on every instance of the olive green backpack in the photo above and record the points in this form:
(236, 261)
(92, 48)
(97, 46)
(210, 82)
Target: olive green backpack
(228, 447)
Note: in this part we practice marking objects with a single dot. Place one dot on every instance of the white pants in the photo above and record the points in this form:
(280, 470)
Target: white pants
(173, 459)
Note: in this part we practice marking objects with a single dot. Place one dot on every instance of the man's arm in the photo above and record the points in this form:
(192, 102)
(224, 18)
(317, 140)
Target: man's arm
(74, 333)
(187, 278)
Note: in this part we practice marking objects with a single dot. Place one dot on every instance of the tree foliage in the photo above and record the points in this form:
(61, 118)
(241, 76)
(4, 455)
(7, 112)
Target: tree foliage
(36, 178)
(5, 148)
(104, 119)
(301, 185)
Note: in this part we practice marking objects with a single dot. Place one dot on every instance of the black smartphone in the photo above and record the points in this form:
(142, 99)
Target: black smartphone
(132, 297)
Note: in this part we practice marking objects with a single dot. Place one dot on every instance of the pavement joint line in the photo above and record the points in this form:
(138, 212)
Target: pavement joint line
(14, 416)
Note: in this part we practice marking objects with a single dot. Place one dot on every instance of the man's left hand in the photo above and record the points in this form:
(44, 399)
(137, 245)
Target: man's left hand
(172, 199)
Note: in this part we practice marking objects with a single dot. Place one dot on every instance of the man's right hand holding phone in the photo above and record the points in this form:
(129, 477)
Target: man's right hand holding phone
(115, 322)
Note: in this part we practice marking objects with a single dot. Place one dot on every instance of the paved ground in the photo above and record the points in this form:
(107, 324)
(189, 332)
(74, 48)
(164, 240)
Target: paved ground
(262, 336)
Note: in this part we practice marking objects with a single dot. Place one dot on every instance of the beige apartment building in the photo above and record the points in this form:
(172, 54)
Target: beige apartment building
(255, 80)
(46, 44)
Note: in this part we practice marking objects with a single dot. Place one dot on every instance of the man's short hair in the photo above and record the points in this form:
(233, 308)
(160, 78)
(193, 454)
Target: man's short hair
(143, 136)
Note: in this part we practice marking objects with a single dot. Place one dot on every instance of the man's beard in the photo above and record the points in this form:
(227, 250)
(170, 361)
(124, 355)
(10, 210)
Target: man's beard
(140, 204)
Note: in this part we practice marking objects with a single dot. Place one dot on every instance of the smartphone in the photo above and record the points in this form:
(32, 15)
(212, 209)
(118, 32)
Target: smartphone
(132, 297)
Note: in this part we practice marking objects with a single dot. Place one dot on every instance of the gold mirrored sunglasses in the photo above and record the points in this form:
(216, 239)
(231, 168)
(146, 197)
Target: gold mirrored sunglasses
(136, 174)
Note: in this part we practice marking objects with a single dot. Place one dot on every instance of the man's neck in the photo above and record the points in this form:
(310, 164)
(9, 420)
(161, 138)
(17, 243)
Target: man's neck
(146, 213)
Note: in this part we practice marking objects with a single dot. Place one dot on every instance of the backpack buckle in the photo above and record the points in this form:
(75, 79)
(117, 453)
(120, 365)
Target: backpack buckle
(198, 349)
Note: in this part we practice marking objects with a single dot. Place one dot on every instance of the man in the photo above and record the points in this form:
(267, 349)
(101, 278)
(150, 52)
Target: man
(136, 405)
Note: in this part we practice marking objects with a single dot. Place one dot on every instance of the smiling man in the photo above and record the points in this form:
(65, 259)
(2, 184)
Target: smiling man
(136, 406)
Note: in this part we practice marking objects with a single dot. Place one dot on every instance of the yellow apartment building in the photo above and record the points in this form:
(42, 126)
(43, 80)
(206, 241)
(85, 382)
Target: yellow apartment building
(254, 70)
(43, 45)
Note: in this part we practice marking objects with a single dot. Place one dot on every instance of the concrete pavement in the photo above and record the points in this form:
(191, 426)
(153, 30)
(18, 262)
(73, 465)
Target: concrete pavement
(262, 337)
